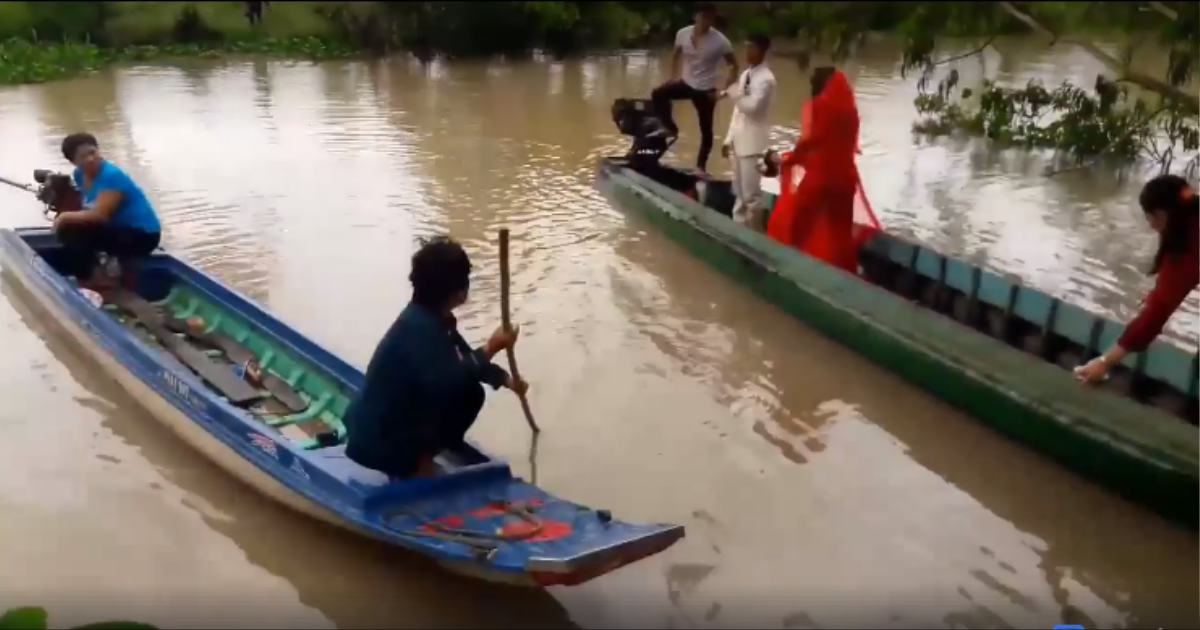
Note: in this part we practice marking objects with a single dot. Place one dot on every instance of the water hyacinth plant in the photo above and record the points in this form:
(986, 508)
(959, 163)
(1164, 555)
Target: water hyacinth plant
(34, 618)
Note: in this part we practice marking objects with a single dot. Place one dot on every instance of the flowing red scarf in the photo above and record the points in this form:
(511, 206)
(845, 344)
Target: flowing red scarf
(822, 208)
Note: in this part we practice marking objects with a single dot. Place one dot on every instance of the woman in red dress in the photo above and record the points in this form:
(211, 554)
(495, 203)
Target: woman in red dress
(1172, 209)
(818, 216)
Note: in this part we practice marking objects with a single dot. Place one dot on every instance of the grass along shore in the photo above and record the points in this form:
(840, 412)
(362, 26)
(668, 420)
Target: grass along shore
(23, 62)
(49, 41)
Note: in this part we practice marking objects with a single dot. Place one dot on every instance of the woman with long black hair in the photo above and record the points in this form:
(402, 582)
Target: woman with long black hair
(1173, 210)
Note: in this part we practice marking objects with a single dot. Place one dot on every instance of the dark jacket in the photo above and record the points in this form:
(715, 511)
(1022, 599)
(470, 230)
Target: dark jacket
(423, 380)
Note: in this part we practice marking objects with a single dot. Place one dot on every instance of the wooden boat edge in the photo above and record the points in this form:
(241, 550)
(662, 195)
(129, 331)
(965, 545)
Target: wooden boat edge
(1160, 453)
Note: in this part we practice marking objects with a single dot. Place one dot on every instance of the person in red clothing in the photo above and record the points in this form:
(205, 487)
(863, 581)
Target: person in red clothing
(1173, 210)
(818, 216)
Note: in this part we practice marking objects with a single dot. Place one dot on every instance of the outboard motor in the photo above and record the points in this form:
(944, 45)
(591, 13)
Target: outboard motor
(651, 139)
(57, 191)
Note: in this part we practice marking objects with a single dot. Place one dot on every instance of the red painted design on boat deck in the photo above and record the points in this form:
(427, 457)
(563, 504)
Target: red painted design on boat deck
(551, 530)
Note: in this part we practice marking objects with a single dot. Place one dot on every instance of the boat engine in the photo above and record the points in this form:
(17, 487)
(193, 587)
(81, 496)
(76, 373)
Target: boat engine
(651, 139)
(57, 191)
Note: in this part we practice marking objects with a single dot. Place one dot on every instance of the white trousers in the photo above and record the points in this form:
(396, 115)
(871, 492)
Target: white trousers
(747, 187)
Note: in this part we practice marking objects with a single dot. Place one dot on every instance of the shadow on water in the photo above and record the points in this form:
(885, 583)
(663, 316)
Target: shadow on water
(796, 400)
(355, 582)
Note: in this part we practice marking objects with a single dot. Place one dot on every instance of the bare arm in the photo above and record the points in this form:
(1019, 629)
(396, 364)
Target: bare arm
(106, 204)
(676, 61)
(731, 60)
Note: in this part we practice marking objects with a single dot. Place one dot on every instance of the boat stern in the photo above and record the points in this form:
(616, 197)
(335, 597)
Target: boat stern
(608, 548)
(509, 531)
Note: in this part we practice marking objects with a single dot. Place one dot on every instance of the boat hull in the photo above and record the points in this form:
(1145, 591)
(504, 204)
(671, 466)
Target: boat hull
(322, 483)
(1138, 451)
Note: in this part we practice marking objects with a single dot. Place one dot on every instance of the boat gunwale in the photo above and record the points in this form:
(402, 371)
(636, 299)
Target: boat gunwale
(1166, 442)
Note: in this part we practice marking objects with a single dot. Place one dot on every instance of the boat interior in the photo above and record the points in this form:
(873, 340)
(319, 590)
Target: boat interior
(291, 385)
(1165, 376)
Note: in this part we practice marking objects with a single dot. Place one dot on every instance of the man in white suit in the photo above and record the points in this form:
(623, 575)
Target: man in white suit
(750, 130)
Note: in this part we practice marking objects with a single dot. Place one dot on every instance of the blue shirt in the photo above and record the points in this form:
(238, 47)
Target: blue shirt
(134, 211)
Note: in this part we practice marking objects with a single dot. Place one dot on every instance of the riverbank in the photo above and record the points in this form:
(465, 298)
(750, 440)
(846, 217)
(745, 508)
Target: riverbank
(23, 62)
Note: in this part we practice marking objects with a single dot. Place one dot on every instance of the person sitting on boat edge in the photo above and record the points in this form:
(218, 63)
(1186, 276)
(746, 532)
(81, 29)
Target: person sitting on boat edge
(1173, 210)
(117, 218)
(422, 390)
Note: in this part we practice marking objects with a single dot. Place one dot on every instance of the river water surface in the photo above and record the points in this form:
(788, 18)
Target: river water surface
(818, 491)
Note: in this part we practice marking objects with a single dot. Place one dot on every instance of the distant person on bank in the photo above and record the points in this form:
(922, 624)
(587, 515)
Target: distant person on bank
(749, 133)
(695, 63)
(424, 386)
(254, 12)
(1173, 210)
(117, 218)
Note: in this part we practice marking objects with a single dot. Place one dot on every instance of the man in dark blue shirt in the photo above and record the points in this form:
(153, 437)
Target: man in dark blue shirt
(423, 387)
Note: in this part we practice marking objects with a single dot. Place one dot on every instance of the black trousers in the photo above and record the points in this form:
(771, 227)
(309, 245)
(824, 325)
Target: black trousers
(705, 105)
(82, 245)
(442, 433)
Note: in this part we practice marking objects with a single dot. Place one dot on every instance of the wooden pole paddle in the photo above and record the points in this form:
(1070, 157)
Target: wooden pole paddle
(506, 321)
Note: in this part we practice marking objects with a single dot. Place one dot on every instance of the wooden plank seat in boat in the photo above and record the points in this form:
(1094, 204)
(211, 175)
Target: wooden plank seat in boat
(220, 377)
(237, 353)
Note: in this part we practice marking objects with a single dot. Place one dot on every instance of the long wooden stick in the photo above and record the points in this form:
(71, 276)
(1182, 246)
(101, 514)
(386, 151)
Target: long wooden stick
(506, 320)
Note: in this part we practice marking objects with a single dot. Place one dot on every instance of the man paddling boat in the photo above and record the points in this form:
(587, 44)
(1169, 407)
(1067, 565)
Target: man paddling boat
(423, 388)
(1173, 210)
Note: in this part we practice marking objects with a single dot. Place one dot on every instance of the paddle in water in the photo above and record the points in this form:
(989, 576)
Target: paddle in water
(506, 319)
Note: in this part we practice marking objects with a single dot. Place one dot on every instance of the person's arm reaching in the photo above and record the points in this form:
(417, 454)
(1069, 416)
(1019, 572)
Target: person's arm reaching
(1175, 280)
(1178, 276)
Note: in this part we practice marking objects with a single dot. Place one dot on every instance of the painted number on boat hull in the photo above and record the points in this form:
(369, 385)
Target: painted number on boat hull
(181, 389)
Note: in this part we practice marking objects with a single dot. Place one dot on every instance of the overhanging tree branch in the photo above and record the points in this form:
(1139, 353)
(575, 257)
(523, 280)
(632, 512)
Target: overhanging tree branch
(1189, 101)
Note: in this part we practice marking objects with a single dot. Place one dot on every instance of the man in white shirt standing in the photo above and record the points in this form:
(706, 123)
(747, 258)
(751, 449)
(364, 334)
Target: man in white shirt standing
(699, 50)
(750, 130)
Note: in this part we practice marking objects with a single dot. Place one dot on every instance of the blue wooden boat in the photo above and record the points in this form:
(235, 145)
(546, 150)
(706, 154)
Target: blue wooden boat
(284, 435)
(983, 342)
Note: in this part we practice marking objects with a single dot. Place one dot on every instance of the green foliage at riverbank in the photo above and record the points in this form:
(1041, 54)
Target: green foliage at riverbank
(44, 41)
(34, 618)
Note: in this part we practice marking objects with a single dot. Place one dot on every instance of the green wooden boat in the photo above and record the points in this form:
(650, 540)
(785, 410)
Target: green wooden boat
(980, 341)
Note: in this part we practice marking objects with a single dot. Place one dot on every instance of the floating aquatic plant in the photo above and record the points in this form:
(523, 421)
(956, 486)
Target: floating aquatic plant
(34, 618)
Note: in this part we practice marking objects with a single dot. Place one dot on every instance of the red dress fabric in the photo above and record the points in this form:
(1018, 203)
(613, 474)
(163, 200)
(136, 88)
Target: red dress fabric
(1180, 273)
(826, 215)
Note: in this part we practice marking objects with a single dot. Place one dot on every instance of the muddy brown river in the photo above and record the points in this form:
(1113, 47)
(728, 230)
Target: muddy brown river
(818, 490)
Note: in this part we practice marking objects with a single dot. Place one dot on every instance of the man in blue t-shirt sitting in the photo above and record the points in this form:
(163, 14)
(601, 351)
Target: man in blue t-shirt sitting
(117, 218)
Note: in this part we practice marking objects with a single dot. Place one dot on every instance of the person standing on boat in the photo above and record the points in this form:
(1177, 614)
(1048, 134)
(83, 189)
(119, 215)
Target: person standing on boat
(423, 388)
(749, 133)
(1173, 210)
(699, 48)
(818, 215)
(117, 218)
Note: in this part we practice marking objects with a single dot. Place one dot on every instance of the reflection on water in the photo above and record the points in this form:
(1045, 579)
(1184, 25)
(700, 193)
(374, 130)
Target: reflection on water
(817, 490)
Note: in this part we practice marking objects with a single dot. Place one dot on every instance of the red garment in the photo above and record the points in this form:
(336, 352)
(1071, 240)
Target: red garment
(1177, 277)
(826, 216)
